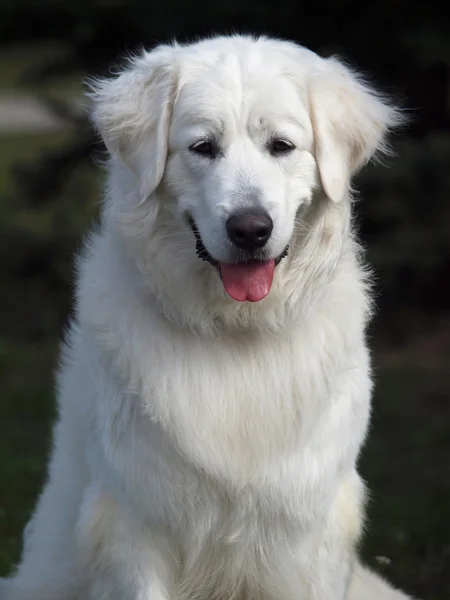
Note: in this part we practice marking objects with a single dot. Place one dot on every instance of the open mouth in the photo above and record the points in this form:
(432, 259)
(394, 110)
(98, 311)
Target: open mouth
(247, 280)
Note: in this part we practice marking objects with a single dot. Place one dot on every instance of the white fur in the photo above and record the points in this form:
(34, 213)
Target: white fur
(205, 448)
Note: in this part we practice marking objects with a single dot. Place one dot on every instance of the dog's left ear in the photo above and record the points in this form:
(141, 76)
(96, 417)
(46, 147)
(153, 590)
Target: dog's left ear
(350, 122)
(132, 113)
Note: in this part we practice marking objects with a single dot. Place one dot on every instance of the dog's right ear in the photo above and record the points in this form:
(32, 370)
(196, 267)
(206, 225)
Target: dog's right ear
(132, 113)
(350, 122)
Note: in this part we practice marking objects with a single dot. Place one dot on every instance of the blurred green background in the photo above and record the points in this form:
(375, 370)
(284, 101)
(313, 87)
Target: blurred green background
(50, 191)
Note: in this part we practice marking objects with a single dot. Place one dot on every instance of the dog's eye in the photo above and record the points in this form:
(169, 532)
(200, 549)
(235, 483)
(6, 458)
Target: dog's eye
(204, 147)
(278, 146)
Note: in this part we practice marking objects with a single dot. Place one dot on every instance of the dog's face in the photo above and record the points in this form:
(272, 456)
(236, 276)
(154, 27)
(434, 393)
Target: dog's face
(240, 166)
(240, 133)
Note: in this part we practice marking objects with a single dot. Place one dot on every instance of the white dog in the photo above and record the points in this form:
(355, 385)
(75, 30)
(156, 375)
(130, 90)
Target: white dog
(215, 387)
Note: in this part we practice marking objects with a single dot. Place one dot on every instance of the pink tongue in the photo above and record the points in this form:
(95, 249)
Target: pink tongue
(248, 281)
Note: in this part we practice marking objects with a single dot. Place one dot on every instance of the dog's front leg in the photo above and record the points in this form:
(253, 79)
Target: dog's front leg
(120, 558)
(325, 558)
(335, 544)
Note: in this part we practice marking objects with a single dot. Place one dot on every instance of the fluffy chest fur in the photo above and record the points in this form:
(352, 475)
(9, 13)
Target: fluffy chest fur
(280, 416)
(240, 448)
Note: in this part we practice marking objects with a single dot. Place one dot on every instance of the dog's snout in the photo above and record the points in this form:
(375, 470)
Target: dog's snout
(250, 230)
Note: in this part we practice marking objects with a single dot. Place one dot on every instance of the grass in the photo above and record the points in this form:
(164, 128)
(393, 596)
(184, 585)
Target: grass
(26, 411)
(406, 465)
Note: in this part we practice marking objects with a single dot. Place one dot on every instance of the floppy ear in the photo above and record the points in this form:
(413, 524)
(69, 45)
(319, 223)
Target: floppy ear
(350, 122)
(132, 113)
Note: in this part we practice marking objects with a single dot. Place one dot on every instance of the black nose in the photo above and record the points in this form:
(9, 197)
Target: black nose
(250, 230)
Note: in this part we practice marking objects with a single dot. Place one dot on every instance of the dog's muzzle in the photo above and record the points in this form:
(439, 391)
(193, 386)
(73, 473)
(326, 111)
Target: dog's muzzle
(203, 253)
(244, 280)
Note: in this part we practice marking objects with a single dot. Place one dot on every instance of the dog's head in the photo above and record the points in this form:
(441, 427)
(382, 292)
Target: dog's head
(229, 142)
